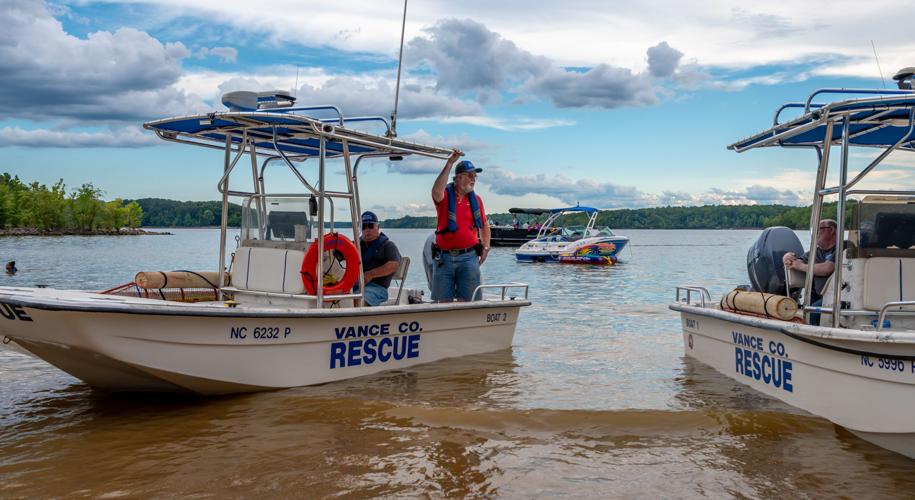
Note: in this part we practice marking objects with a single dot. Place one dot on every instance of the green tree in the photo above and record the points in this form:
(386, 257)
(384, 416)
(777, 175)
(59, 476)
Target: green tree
(85, 206)
(134, 214)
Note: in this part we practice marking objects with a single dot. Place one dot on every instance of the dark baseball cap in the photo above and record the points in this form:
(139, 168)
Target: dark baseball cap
(369, 218)
(465, 166)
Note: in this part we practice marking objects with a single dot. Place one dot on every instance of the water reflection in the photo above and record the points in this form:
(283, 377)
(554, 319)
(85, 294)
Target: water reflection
(594, 399)
(782, 450)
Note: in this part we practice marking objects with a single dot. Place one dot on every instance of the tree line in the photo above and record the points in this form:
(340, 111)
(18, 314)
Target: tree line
(37, 206)
(704, 217)
(170, 213)
(82, 209)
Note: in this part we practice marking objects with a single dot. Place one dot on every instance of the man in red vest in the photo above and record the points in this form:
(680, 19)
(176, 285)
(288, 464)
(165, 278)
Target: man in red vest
(462, 232)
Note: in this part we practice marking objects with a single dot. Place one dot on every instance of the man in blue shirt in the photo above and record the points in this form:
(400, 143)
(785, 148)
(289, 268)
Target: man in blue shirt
(380, 259)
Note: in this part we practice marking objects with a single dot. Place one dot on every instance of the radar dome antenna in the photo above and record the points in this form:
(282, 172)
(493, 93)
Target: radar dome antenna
(403, 28)
(904, 78)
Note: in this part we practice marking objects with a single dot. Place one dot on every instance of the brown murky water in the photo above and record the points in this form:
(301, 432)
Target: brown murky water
(449, 429)
(593, 400)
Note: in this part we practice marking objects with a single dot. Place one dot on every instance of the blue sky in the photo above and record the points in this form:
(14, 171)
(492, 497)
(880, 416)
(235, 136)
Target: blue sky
(611, 104)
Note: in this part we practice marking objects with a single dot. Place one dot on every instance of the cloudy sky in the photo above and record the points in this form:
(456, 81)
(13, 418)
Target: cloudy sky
(610, 104)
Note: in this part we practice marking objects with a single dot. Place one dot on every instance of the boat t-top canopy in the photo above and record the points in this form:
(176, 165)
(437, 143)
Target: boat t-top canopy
(883, 121)
(529, 211)
(288, 131)
(270, 126)
(587, 210)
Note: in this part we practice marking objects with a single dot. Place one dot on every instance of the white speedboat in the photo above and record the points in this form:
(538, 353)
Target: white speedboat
(857, 366)
(573, 244)
(267, 322)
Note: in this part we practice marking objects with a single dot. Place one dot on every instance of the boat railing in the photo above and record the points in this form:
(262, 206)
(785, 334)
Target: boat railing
(688, 290)
(296, 296)
(809, 103)
(887, 306)
(785, 106)
(502, 286)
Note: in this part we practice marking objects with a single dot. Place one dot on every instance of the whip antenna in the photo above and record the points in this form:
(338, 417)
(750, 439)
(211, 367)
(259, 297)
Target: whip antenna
(403, 27)
(878, 63)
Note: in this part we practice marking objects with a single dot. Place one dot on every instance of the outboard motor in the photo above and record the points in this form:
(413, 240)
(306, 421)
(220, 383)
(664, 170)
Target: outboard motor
(428, 261)
(764, 260)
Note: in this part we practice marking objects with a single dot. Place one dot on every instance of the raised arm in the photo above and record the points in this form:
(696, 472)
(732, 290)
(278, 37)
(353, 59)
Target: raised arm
(438, 188)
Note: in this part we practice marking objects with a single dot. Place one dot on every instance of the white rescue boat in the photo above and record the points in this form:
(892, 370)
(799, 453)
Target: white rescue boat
(267, 322)
(856, 367)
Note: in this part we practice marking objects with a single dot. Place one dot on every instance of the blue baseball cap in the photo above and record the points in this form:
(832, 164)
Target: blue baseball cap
(465, 166)
(369, 218)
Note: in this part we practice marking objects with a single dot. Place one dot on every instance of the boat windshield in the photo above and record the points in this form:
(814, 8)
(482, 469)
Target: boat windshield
(602, 231)
(286, 219)
(573, 233)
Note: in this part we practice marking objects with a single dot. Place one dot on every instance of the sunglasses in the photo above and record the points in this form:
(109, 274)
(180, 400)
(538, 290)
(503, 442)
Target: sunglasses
(369, 226)
(826, 227)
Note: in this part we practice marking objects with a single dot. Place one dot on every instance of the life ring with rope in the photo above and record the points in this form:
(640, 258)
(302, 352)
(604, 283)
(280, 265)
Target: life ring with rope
(333, 242)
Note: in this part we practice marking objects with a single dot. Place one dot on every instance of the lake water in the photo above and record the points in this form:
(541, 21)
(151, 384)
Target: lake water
(594, 399)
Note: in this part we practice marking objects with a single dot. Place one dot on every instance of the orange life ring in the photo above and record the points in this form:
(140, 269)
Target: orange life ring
(332, 242)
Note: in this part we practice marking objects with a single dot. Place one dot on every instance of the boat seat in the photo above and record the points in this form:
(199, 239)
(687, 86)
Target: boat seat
(888, 279)
(794, 279)
(401, 276)
(268, 270)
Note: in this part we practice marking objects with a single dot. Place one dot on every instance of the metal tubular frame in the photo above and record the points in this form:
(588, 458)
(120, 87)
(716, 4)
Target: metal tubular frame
(353, 213)
(823, 156)
(246, 129)
(319, 288)
(690, 289)
(840, 230)
(503, 286)
(224, 220)
(817, 92)
(791, 105)
(842, 190)
(885, 308)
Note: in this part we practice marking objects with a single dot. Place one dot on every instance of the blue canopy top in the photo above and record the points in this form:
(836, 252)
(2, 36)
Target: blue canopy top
(873, 122)
(286, 131)
(575, 209)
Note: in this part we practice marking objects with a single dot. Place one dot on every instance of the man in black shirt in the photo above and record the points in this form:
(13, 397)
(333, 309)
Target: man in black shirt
(824, 262)
(380, 259)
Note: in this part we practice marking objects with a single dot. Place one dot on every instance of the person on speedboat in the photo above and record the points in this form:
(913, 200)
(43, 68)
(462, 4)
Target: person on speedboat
(824, 263)
(380, 259)
(462, 233)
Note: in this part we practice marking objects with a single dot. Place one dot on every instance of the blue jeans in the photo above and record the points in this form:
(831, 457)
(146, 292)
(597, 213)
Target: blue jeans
(374, 295)
(455, 276)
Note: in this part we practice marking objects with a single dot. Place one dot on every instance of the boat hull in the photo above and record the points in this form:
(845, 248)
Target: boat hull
(814, 369)
(510, 236)
(131, 344)
(599, 251)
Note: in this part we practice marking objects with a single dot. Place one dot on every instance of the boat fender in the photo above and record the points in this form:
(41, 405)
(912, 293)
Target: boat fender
(333, 242)
(767, 305)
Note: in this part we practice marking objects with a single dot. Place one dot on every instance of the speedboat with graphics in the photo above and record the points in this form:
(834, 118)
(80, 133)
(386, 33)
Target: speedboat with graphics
(577, 244)
(851, 357)
(285, 313)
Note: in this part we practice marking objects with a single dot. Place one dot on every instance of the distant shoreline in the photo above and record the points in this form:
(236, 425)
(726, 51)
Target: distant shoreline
(31, 231)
